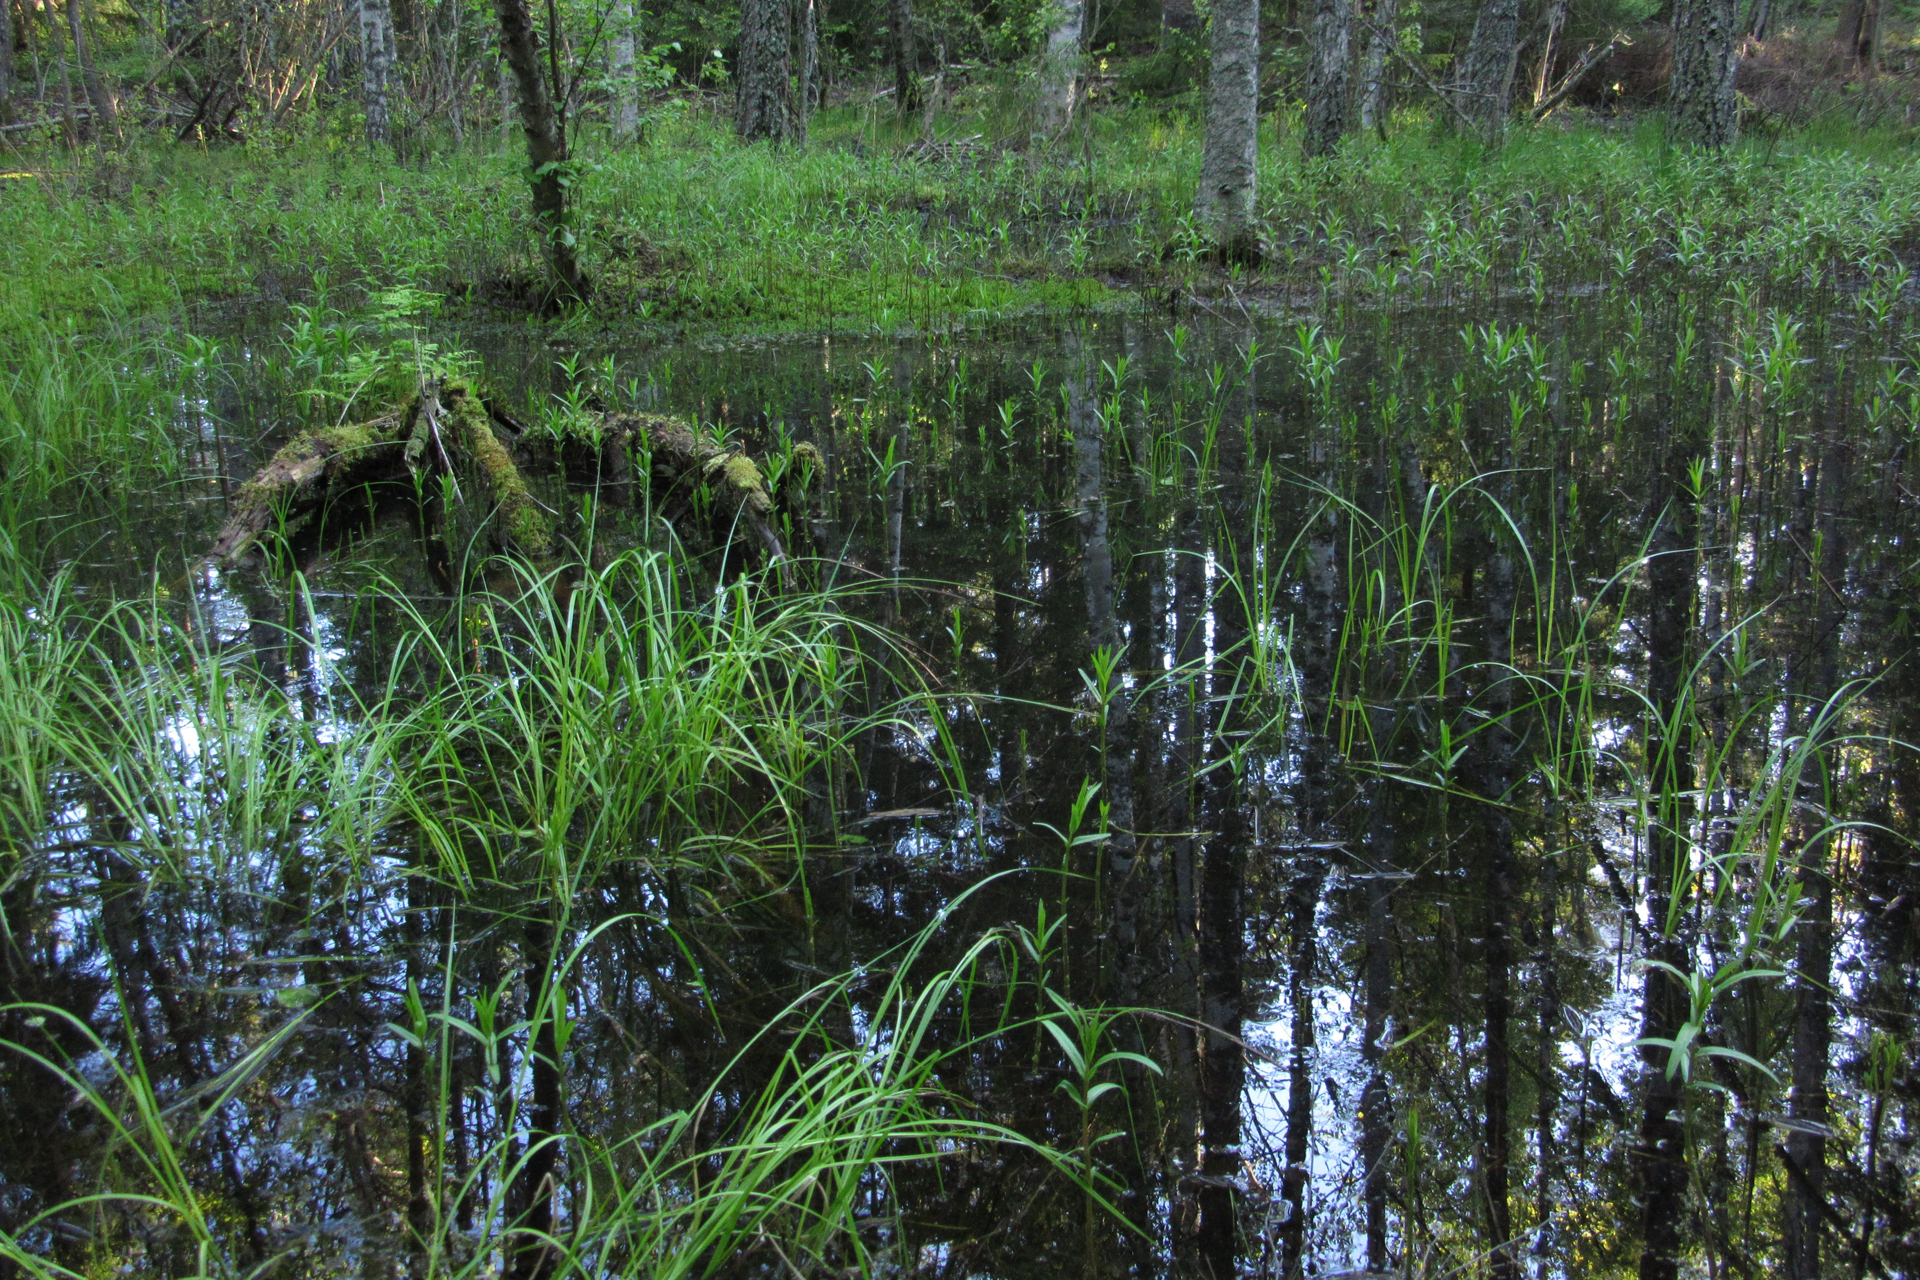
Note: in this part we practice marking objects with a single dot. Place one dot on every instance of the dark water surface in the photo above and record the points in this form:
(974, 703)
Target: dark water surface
(1423, 671)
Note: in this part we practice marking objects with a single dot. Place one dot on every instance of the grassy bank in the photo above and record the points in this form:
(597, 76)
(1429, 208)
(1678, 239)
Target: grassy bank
(859, 231)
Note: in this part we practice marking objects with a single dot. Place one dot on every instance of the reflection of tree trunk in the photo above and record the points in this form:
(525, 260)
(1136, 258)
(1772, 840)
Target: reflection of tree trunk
(1671, 584)
(1060, 70)
(760, 109)
(546, 149)
(1703, 68)
(1547, 1065)
(1376, 1099)
(1122, 882)
(1806, 1145)
(1495, 782)
(1327, 79)
(1384, 17)
(534, 1187)
(1103, 632)
(1317, 637)
(415, 1094)
(1223, 1063)
(1185, 696)
(1224, 201)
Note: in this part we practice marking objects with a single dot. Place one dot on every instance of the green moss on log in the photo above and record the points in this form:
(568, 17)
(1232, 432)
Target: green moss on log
(523, 525)
(301, 472)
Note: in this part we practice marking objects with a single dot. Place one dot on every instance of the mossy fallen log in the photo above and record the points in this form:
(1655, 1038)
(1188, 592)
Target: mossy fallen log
(305, 472)
(679, 462)
(449, 429)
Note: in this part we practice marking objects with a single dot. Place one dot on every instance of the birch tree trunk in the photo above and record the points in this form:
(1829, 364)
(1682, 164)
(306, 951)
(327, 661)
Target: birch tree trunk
(1703, 65)
(546, 150)
(1328, 84)
(626, 94)
(1483, 90)
(1384, 18)
(1224, 202)
(105, 124)
(760, 110)
(1060, 66)
(376, 68)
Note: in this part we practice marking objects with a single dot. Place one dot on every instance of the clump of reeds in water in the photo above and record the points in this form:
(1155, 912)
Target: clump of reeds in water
(423, 954)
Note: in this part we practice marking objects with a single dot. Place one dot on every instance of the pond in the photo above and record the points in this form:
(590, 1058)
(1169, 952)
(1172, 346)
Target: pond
(1279, 758)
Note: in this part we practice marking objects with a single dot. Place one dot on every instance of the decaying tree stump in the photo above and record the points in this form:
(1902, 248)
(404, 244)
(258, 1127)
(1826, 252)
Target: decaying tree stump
(450, 429)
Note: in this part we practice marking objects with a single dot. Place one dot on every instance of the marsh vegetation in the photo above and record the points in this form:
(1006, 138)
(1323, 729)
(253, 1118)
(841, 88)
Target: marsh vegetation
(953, 709)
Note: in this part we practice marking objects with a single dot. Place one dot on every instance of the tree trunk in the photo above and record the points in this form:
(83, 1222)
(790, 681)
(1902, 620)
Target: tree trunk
(1483, 90)
(6, 61)
(807, 92)
(1224, 202)
(376, 67)
(1327, 80)
(1060, 67)
(1846, 32)
(1760, 19)
(106, 125)
(761, 108)
(546, 150)
(1704, 60)
(1385, 19)
(626, 93)
(58, 43)
(906, 91)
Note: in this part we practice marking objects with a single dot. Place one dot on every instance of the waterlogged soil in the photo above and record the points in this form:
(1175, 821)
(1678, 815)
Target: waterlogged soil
(1299, 670)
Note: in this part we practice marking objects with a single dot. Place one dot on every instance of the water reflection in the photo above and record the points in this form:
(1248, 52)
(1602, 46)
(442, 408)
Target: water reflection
(1369, 698)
